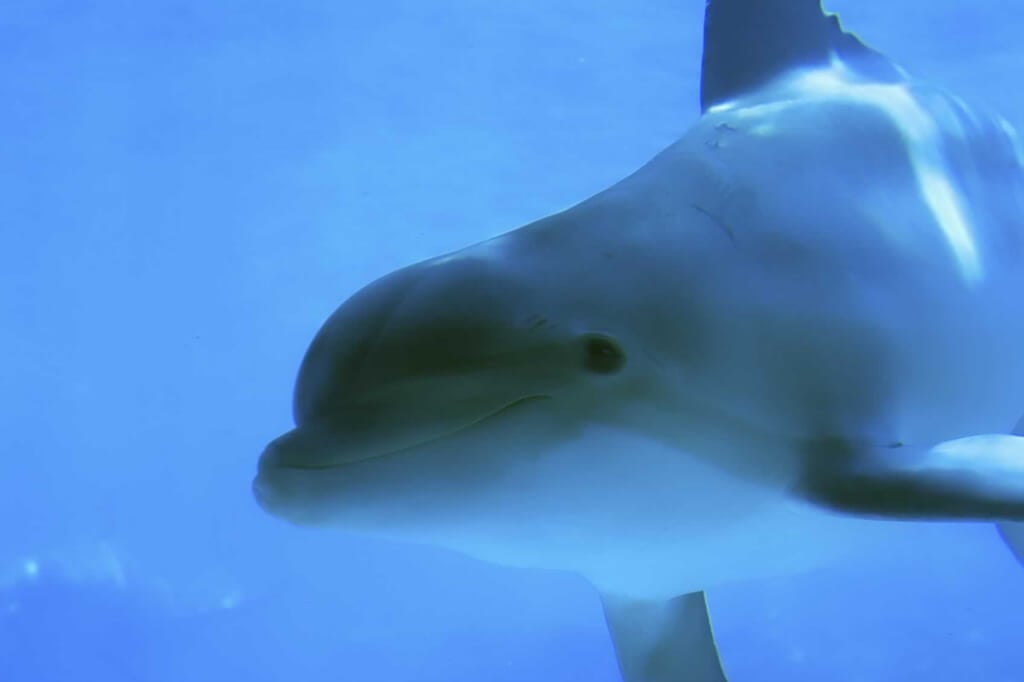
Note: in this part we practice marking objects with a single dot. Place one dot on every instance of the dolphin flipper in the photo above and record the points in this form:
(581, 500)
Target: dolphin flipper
(1013, 536)
(1013, 533)
(663, 641)
(978, 477)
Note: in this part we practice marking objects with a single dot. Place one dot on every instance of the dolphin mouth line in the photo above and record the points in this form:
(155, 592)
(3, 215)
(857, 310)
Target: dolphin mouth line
(505, 409)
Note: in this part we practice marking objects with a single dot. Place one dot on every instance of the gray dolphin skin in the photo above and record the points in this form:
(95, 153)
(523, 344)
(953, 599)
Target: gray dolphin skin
(801, 319)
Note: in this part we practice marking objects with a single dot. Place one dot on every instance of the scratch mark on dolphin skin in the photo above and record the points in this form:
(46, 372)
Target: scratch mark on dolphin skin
(716, 140)
(536, 323)
(715, 219)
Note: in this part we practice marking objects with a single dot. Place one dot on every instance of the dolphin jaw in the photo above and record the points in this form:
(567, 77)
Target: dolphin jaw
(319, 448)
(313, 493)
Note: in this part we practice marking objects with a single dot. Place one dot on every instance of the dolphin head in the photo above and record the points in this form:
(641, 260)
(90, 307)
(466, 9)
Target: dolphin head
(432, 389)
(647, 365)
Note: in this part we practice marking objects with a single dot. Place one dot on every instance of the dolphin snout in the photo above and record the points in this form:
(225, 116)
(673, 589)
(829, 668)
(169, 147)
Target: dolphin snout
(285, 467)
(285, 490)
(265, 486)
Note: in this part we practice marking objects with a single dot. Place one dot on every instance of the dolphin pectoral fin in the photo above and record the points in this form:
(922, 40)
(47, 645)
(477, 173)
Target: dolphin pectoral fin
(1013, 536)
(663, 641)
(974, 478)
(1013, 533)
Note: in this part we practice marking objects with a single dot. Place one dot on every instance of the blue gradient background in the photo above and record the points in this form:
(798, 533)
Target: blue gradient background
(188, 188)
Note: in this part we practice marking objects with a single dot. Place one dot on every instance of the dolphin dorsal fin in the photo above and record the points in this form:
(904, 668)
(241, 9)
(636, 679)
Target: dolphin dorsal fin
(748, 43)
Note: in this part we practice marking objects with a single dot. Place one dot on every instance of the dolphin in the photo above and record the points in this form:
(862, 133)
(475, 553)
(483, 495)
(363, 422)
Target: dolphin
(801, 319)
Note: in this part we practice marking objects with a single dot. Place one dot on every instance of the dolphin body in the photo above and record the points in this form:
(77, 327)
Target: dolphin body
(801, 317)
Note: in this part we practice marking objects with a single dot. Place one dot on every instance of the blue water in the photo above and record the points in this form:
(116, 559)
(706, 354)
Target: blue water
(188, 188)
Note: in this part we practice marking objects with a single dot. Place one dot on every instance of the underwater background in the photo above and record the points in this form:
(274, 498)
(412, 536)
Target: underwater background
(188, 189)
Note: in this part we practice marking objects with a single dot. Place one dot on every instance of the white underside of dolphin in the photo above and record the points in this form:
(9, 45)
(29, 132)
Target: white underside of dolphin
(801, 318)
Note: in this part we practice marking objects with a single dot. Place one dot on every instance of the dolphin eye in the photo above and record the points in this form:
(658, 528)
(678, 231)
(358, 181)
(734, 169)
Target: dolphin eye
(602, 355)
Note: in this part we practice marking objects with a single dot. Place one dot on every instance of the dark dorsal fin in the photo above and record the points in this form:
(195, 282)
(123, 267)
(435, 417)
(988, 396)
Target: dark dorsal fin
(749, 42)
